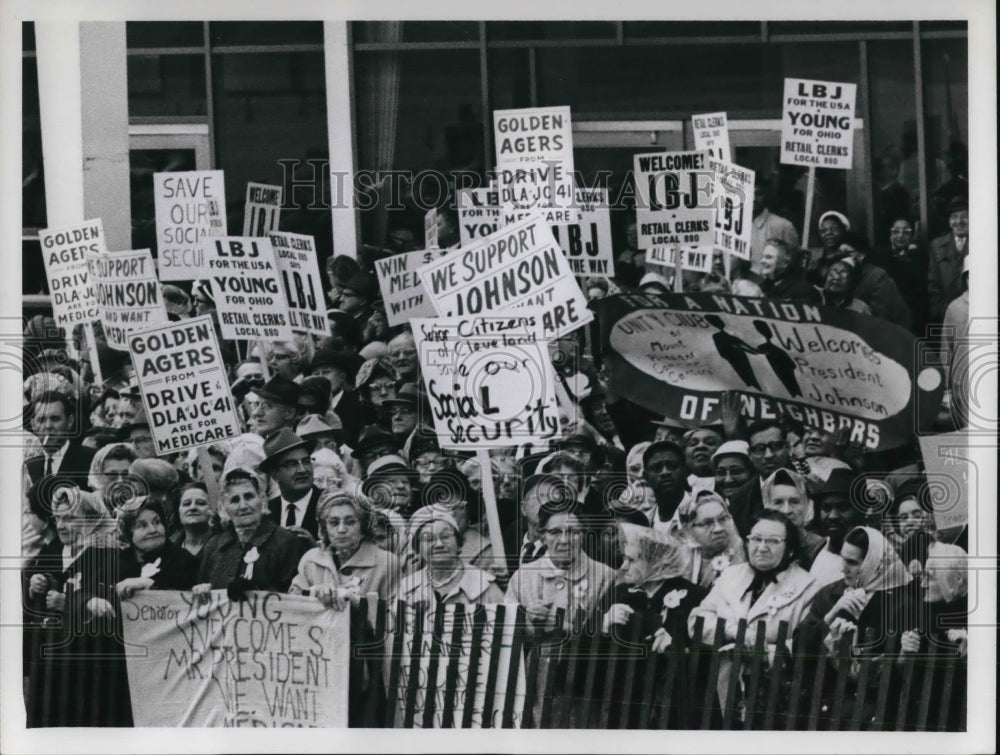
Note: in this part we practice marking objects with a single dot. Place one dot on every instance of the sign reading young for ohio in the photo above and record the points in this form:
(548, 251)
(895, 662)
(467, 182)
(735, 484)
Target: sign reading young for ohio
(827, 368)
(817, 126)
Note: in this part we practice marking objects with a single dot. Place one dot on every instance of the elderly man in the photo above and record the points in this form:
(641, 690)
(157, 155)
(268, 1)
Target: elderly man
(289, 464)
(699, 445)
(404, 358)
(780, 267)
(277, 406)
(944, 274)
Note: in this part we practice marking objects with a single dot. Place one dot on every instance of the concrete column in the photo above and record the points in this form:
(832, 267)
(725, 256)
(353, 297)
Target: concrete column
(340, 132)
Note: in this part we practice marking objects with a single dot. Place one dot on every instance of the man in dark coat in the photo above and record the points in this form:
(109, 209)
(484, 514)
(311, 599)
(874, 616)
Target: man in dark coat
(944, 273)
(289, 465)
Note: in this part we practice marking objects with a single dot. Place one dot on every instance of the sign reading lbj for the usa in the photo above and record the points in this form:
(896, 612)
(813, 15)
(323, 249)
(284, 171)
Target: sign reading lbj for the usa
(817, 125)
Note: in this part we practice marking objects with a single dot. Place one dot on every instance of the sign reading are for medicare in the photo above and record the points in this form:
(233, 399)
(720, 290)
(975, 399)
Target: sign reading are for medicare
(296, 258)
(520, 265)
(817, 124)
(64, 251)
(184, 385)
(402, 292)
(247, 287)
(733, 192)
(488, 379)
(534, 149)
(478, 214)
(824, 367)
(190, 205)
(128, 293)
(587, 244)
(262, 211)
(674, 200)
(711, 134)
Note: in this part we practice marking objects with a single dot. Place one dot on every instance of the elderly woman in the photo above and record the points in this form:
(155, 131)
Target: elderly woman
(389, 483)
(841, 279)
(833, 227)
(159, 480)
(85, 683)
(770, 588)
(911, 515)
(450, 490)
(785, 491)
(252, 552)
(148, 560)
(347, 565)
(109, 466)
(197, 517)
(704, 524)
(444, 577)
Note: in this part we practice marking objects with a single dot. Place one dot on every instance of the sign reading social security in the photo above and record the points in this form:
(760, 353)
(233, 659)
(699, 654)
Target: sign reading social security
(190, 206)
(829, 368)
(817, 124)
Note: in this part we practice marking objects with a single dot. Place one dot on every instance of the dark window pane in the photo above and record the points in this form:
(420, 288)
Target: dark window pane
(33, 279)
(946, 125)
(164, 34)
(28, 35)
(160, 85)
(639, 29)
(510, 79)
(837, 27)
(266, 32)
(143, 163)
(420, 31)
(549, 30)
(32, 169)
(944, 26)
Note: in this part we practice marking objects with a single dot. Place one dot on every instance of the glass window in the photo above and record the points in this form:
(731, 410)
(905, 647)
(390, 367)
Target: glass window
(944, 26)
(420, 31)
(837, 27)
(166, 85)
(946, 112)
(510, 79)
(648, 29)
(33, 277)
(164, 34)
(549, 30)
(143, 163)
(266, 32)
(32, 169)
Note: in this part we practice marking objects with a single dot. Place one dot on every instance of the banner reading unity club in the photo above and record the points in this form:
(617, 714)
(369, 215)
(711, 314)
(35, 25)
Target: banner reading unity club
(273, 660)
(675, 354)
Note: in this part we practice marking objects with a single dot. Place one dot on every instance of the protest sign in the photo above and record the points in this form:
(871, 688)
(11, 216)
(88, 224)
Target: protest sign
(733, 194)
(444, 663)
(64, 251)
(190, 205)
(128, 293)
(817, 124)
(829, 368)
(262, 210)
(587, 243)
(478, 214)
(699, 260)
(711, 134)
(674, 203)
(518, 266)
(247, 288)
(184, 384)
(295, 255)
(402, 292)
(431, 229)
(270, 661)
(488, 379)
(534, 148)
(947, 467)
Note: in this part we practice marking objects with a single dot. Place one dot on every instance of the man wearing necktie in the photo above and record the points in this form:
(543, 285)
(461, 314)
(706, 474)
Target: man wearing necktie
(289, 464)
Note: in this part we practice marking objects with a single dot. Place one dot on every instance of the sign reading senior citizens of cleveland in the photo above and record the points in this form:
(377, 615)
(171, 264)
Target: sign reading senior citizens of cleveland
(190, 206)
(817, 124)
(127, 292)
(184, 384)
(488, 378)
(520, 265)
(270, 661)
(64, 251)
(828, 368)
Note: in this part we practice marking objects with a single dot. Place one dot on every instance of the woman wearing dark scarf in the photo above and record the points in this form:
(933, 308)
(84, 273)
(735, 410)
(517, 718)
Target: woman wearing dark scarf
(768, 589)
(651, 601)
(842, 278)
(150, 561)
(704, 524)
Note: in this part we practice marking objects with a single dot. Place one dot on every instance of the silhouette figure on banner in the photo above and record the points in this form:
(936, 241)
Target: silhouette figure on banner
(782, 364)
(734, 350)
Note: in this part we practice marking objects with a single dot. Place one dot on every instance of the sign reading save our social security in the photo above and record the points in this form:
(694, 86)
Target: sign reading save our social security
(534, 149)
(520, 265)
(64, 251)
(127, 292)
(488, 378)
(711, 134)
(402, 292)
(830, 368)
(184, 384)
(295, 254)
(817, 124)
(190, 205)
(674, 200)
(249, 296)
(588, 243)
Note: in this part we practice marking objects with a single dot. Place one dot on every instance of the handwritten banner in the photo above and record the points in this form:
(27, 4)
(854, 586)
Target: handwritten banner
(829, 368)
(295, 255)
(271, 661)
(184, 385)
(518, 266)
(128, 293)
(402, 292)
(190, 205)
(64, 251)
(711, 134)
(817, 124)
(247, 289)
(488, 379)
(733, 193)
(262, 211)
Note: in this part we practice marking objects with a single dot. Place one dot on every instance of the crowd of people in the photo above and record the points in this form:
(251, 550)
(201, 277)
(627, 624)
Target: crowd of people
(338, 489)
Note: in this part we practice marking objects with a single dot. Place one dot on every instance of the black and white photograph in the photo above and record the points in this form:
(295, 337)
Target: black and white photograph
(615, 377)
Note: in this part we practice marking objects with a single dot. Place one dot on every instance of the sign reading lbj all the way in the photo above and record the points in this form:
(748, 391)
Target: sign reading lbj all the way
(817, 126)
(825, 367)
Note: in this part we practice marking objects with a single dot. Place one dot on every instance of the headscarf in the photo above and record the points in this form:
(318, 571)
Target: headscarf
(424, 516)
(950, 566)
(664, 556)
(798, 482)
(881, 569)
(128, 514)
(680, 527)
(95, 478)
(635, 456)
(92, 523)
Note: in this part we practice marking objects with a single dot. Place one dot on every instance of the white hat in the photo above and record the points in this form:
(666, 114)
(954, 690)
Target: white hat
(654, 279)
(840, 218)
(732, 448)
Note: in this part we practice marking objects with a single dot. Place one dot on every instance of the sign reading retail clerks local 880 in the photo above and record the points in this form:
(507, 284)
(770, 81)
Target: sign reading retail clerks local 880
(817, 124)
(676, 353)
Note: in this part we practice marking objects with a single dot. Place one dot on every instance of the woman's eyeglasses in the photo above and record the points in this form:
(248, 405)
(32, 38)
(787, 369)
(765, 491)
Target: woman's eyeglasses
(709, 523)
(770, 542)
